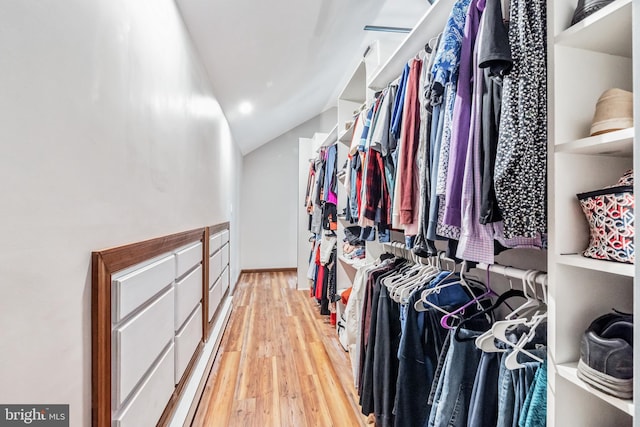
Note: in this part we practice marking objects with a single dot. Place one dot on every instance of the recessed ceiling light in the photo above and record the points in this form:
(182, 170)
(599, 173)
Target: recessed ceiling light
(245, 107)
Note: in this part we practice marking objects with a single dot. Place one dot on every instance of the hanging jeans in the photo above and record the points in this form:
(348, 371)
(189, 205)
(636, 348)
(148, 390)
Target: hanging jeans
(483, 409)
(453, 394)
(420, 347)
(513, 386)
(534, 411)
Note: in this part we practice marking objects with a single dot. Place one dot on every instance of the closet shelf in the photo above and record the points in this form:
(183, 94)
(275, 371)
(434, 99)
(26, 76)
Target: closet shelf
(347, 135)
(615, 144)
(350, 262)
(569, 371)
(607, 31)
(429, 26)
(598, 265)
(353, 90)
(331, 137)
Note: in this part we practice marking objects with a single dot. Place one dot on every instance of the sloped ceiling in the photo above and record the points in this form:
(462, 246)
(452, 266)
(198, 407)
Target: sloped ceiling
(287, 58)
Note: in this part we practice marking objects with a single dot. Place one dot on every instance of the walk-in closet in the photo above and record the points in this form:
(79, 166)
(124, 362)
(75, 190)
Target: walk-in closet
(390, 213)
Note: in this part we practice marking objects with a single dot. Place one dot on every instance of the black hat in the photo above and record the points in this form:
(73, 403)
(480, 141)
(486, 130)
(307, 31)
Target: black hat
(586, 8)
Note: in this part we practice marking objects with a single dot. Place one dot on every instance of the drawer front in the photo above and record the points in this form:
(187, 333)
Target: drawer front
(188, 295)
(188, 257)
(225, 280)
(214, 298)
(215, 267)
(225, 255)
(148, 403)
(139, 285)
(215, 243)
(187, 340)
(225, 237)
(139, 342)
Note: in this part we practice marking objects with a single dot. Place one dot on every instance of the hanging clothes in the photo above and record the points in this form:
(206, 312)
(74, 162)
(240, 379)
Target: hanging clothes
(461, 121)
(521, 159)
(407, 166)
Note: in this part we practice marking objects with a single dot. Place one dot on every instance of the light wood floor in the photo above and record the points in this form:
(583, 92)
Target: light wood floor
(279, 364)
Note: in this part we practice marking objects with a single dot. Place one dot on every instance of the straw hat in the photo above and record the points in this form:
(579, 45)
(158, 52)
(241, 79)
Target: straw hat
(614, 111)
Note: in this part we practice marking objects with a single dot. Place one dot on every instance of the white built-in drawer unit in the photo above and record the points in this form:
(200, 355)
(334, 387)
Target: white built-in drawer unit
(215, 243)
(188, 295)
(187, 340)
(188, 257)
(225, 255)
(215, 267)
(136, 285)
(225, 237)
(138, 342)
(148, 403)
(215, 296)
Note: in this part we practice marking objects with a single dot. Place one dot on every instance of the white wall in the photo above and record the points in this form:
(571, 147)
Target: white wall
(109, 134)
(269, 197)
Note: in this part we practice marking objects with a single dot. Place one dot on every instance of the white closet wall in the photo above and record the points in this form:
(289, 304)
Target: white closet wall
(269, 208)
(110, 134)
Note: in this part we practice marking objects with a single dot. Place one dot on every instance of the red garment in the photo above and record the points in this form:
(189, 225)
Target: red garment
(377, 193)
(363, 158)
(319, 282)
(409, 145)
(344, 297)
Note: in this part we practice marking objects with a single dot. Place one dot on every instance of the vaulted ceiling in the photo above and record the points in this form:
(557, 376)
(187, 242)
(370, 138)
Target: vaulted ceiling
(275, 64)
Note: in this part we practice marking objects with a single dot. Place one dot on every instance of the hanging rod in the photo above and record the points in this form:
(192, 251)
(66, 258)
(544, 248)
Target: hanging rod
(386, 29)
(513, 272)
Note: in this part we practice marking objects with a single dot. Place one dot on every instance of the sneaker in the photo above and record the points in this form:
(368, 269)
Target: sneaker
(606, 355)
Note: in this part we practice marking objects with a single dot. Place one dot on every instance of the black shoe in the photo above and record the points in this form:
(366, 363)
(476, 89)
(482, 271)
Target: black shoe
(606, 355)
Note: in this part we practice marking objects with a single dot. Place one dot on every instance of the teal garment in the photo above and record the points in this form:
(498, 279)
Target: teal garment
(534, 410)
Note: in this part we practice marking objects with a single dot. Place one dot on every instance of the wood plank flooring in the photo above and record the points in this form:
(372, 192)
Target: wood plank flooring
(279, 364)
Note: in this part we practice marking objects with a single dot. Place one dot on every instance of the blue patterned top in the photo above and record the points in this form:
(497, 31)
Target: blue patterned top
(447, 60)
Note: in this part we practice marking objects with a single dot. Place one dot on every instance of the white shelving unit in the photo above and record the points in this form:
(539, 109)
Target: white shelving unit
(618, 143)
(350, 100)
(331, 137)
(569, 372)
(429, 26)
(584, 61)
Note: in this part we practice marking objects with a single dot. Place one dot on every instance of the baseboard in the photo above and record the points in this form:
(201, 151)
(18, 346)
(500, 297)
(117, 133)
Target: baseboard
(270, 270)
(194, 389)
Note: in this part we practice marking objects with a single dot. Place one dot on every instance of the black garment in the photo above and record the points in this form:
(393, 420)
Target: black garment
(494, 55)
(324, 301)
(385, 359)
(366, 381)
(367, 378)
(367, 312)
(421, 344)
(331, 281)
(329, 216)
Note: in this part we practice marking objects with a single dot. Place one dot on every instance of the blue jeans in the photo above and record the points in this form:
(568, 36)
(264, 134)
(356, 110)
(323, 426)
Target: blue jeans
(483, 409)
(453, 394)
(513, 387)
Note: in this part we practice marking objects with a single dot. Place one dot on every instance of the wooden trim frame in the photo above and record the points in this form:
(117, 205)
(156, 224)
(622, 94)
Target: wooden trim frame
(104, 264)
(213, 229)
